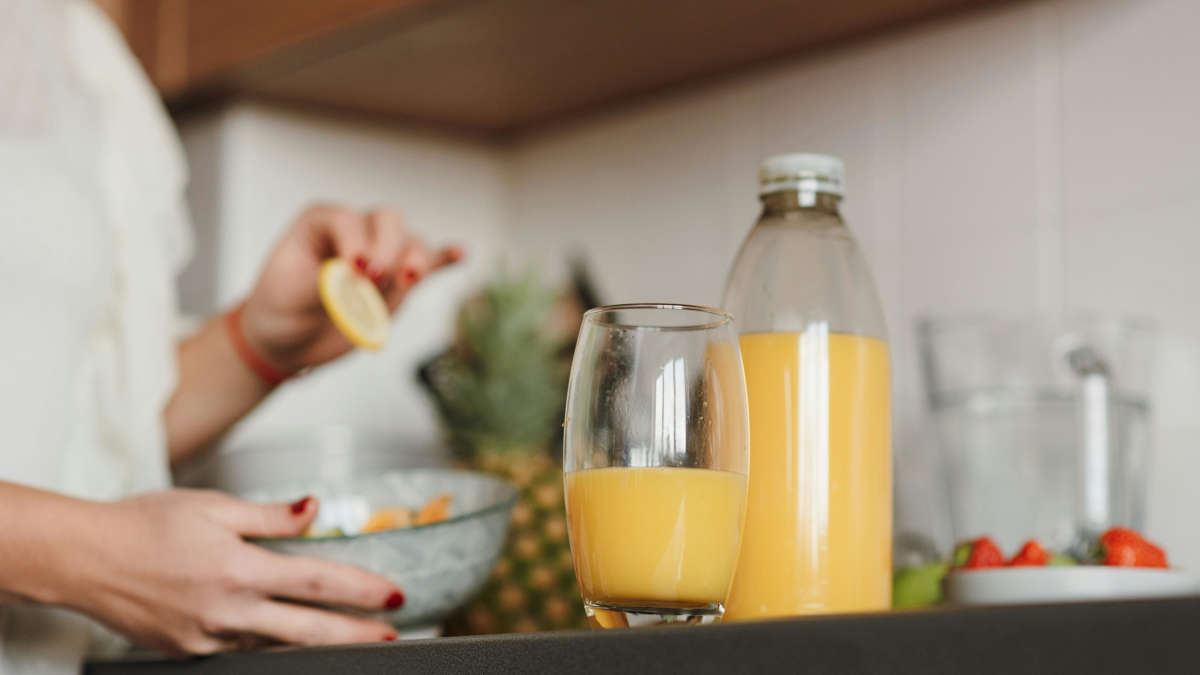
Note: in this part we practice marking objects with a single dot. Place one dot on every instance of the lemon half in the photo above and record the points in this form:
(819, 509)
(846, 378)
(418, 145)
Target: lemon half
(354, 304)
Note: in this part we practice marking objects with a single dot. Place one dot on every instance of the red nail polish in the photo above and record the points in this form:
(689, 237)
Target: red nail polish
(360, 263)
(390, 637)
(410, 275)
(394, 601)
(300, 506)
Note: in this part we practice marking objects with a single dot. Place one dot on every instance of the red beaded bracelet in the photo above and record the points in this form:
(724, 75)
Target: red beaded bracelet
(257, 364)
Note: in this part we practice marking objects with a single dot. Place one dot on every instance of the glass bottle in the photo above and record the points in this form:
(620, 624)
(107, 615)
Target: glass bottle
(818, 529)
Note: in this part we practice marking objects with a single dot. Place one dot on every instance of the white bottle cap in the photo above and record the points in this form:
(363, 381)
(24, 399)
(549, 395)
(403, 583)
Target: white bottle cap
(801, 171)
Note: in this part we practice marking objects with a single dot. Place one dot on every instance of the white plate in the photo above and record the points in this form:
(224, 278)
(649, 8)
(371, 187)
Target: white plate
(1023, 585)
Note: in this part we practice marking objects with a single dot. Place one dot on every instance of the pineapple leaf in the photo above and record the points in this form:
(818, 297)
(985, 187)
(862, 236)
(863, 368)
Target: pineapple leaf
(503, 383)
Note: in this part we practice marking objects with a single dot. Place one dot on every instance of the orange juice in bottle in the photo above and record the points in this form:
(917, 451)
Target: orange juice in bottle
(818, 527)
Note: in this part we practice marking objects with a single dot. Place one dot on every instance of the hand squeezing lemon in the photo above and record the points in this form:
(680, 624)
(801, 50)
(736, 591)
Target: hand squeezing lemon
(354, 304)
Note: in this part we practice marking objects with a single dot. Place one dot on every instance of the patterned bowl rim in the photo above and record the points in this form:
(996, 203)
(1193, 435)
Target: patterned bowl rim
(503, 504)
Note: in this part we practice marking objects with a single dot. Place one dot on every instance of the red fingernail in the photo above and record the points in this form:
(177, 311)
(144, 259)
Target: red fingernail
(410, 275)
(394, 601)
(390, 637)
(300, 506)
(360, 263)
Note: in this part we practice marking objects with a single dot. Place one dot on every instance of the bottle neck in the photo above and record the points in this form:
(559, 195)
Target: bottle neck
(783, 201)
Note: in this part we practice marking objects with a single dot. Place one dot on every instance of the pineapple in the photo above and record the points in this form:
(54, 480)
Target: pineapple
(499, 391)
(533, 586)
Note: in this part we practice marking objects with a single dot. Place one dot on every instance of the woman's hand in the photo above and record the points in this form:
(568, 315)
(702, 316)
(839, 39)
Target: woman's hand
(284, 319)
(170, 571)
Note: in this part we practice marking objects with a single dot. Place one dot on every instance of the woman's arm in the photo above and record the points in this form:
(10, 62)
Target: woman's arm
(283, 322)
(215, 390)
(171, 570)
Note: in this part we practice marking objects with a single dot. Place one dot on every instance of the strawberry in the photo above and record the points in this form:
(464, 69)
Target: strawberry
(1124, 547)
(1031, 555)
(978, 554)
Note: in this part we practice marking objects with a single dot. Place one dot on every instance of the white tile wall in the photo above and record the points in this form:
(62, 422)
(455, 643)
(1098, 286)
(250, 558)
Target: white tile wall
(1030, 157)
(1033, 156)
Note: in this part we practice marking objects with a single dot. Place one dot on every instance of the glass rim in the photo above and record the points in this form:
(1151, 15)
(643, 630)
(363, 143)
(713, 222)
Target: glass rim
(717, 317)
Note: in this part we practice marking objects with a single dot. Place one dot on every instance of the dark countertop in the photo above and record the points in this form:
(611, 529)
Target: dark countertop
(1118, 638)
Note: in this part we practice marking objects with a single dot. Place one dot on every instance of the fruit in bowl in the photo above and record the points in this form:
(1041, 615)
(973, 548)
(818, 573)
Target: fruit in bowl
(1117, 547)
(1123, 547)
(1119, 564)
(978, 572)
(983, 553)
(353, 515)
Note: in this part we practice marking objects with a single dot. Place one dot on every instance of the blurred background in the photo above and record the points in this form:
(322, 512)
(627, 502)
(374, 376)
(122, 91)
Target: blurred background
(1002, 157)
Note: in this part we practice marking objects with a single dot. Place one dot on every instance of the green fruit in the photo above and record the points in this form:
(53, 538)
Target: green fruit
(919, 586)
(962, 553)
(1061, 560)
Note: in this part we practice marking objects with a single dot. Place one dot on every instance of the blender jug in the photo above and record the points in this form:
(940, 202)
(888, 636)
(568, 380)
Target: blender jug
(1043, 424)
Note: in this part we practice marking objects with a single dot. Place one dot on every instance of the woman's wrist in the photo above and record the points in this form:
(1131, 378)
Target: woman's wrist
(49, 555)
(279, 337)
(82, 571)
(252, 350)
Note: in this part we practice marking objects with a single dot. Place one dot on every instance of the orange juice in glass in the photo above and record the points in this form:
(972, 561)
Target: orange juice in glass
(654, 537)
(655, 447)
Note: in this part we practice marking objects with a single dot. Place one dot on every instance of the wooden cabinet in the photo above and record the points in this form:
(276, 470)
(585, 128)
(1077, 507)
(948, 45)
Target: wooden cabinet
(489, 66)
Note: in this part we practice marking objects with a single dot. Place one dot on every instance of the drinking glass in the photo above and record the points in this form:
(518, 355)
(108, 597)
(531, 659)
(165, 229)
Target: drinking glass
(655, 458)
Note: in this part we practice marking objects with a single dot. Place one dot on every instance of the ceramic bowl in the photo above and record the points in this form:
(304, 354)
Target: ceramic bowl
(1027, 585)
(439, 566)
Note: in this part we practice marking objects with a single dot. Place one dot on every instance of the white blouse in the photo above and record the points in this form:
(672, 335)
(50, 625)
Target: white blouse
(91, 204)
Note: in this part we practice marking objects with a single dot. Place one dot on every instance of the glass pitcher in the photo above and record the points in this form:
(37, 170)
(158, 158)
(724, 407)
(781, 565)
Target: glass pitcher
(1043, 424)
